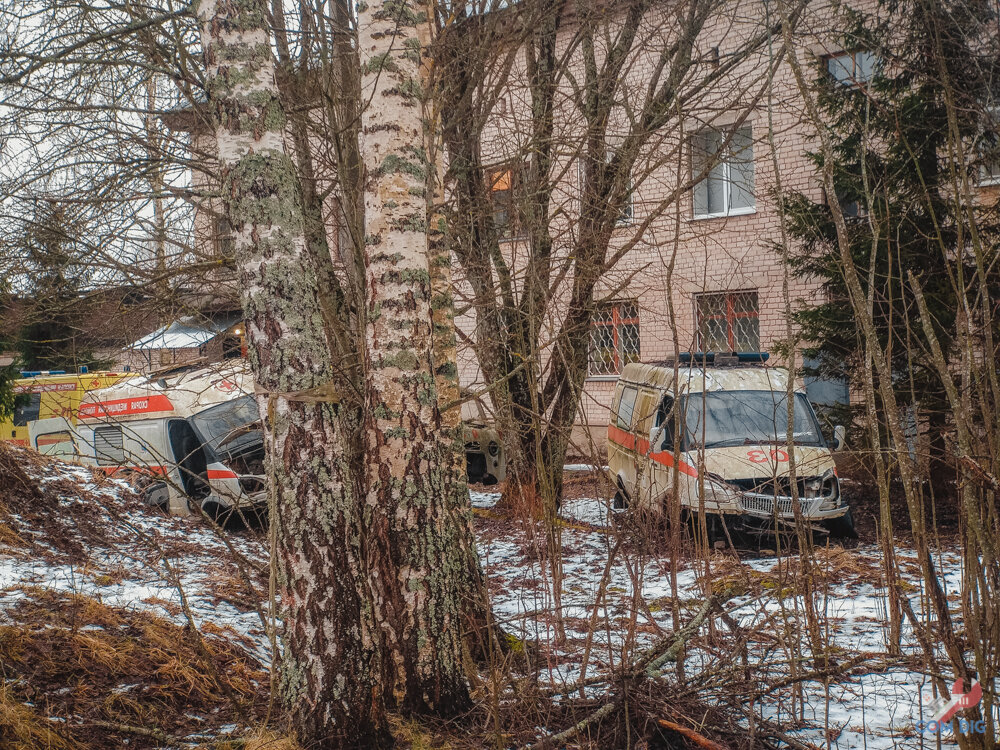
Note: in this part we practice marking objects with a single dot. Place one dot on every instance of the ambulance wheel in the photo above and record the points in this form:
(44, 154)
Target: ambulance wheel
(842, 528)
(621, 497)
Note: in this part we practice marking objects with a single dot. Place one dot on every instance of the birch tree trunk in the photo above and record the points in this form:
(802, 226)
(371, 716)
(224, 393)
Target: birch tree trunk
(329, 662)
(420, 543)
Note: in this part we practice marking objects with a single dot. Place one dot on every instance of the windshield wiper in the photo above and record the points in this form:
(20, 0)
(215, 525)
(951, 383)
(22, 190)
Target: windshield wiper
(730, 443)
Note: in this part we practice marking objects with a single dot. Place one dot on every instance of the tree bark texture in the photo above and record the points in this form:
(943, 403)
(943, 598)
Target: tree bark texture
(419, 546)
(329, 662)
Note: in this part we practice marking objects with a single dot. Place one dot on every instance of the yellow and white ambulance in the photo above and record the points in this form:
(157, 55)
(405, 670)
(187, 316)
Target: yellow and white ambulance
(196, 432)
(711, 430)
(49, 394)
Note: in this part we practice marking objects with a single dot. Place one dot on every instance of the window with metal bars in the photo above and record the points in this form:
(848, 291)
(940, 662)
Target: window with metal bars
(728, 322)
(614, 338)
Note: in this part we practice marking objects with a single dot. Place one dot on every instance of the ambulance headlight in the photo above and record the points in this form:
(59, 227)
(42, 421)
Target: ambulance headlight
(830, 490)
(717, 490)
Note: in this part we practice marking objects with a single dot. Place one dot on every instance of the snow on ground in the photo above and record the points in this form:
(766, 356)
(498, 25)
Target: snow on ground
(148, 560)
(876, 706)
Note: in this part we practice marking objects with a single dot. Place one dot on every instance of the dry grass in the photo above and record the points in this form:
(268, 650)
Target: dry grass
(24, 728)
(124, 669)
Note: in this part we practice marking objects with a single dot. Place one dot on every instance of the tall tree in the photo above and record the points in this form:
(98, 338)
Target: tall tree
(55, 278)
(893, 178)
(422, 552)
(330, 659)
(565, 69)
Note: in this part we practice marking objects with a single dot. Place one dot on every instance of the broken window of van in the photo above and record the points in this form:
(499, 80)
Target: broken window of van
(614, 338)
(109, 449)
(626, 408)
(664, 421)
(728, 322)
(55, 444)
(719, 419)
(232, 431)
(723, 164)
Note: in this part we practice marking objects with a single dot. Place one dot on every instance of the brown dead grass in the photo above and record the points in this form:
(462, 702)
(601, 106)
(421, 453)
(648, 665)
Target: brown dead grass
(831, 566)
(123, 668)
(24, 728)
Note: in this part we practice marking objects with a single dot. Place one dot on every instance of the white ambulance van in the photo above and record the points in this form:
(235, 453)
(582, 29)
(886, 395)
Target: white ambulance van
(730, 457)
(195, 432)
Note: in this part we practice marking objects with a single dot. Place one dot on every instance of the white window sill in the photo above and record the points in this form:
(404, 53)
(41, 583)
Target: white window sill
(735, 212)
(603, 378)
(989, 181)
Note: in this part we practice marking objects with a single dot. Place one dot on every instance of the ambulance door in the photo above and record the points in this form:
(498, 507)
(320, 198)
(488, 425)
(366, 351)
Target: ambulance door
(189, 457)
(659, 476)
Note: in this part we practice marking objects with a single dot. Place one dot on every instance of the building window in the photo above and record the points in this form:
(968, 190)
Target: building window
(851, 68)
(728, 322)
(505, 185)
(723, 162)
(614, 338)
(224, 237)
(989, 173)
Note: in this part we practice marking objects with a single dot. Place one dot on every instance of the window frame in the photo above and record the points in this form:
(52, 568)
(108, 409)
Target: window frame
(105, 458)
(725, 161)
(853, 81)
(616, 322)
(631, 408)
(516, 224)
(731, 316)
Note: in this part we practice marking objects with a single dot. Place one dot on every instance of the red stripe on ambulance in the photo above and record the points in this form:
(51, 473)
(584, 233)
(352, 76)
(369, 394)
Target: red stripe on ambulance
(221, 474)
(124, 407)
(640, 445)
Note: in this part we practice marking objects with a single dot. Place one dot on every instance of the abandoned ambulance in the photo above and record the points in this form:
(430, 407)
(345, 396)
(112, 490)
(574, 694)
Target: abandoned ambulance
(719, 429)
(196, 432)
(43, 395)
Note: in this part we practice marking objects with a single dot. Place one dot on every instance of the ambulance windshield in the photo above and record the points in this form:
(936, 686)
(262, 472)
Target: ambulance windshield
(230, 428)
(718, 419)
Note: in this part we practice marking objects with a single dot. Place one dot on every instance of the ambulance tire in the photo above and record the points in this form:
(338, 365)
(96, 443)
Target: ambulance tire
(842, 528)
(621, 496)
(208, 508)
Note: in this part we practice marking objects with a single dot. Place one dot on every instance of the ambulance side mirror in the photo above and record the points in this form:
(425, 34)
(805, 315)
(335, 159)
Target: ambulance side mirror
(839, 437)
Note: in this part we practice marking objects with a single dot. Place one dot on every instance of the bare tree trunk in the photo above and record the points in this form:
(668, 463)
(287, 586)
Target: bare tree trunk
(329, 663)
(420, 547)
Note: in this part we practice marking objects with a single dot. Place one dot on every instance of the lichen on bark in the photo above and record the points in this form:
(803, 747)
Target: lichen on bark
(329, 661)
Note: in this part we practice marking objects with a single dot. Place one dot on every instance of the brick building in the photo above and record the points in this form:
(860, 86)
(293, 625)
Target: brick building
(702, 224)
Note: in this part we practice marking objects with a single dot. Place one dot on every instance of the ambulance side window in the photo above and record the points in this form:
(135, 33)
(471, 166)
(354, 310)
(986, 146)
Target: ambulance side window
(665, 417)
(625, 408)
(26, 408)
(108, 447)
